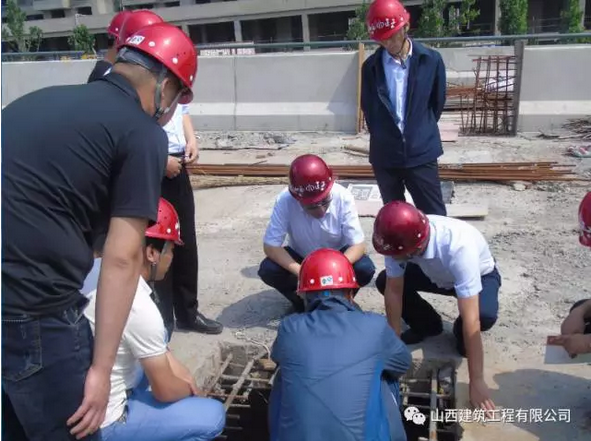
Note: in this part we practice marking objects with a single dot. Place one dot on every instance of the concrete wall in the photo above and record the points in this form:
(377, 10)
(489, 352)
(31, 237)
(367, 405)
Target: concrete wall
(317, 91)
(555, 86)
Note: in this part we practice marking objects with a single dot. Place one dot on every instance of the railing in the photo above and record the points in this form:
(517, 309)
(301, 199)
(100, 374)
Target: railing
(474, 40)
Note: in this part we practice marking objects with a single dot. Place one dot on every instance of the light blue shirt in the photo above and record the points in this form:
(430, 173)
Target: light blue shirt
(175, 130)
(456, 257)
(397, 81)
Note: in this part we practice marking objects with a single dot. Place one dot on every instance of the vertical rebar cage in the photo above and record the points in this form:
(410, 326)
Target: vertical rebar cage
(245, 377)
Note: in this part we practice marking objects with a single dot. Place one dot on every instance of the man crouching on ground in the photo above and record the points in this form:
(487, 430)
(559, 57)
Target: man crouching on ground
(338, 366)
(170, 411)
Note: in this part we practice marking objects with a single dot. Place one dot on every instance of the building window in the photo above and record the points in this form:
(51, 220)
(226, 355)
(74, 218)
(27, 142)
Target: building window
(58, 13)
(172, 4)
(85, 10)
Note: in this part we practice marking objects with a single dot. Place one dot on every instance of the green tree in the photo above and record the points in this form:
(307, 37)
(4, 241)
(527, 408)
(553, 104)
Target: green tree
(432, 21)
(572, 18)
(82, 40)
(513, 20)
(461, 18)
(357, 28)
(14, 31)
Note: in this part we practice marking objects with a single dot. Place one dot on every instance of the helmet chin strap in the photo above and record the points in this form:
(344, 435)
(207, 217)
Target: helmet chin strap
(154, 272)
(160, 111)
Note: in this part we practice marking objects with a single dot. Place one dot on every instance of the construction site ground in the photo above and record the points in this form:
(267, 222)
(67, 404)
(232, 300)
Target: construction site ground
(532, 231)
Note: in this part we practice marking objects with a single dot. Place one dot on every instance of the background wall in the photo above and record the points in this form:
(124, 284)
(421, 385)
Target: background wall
(317, 91)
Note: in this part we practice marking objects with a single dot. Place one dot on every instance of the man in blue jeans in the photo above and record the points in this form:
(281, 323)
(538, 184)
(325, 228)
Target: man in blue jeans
(313, 212)
(172, 409)
(338, 366)
(70, 169)
(444, 256)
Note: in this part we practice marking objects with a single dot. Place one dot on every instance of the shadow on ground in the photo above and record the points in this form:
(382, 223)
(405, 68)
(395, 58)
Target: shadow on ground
(549, 405)
(250, 272)
(264, 309)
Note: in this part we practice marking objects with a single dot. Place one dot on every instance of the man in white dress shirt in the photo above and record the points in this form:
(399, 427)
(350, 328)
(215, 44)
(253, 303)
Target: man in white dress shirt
(179, 288)
(313, 212)
(439, 255)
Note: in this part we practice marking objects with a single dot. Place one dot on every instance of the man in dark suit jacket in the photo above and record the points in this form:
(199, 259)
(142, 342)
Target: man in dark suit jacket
(402, 98)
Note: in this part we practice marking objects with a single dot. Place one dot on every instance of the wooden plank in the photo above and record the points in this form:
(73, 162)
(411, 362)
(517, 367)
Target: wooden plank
(370, 208)
(360, 59)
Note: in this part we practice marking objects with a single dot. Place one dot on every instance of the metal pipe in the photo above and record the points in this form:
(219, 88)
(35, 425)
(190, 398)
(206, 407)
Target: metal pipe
(433, 407)
(343, 43)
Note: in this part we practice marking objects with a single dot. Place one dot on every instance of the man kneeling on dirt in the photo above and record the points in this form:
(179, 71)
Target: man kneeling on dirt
(576, 328)
(338, 366)
(171, 410)
(445, 256)
(313, 212)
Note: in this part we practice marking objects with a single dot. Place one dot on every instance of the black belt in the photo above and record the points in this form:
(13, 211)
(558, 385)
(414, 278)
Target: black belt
(178, 155)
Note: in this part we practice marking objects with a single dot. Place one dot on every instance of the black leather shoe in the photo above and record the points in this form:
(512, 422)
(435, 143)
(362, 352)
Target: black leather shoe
(201, 324)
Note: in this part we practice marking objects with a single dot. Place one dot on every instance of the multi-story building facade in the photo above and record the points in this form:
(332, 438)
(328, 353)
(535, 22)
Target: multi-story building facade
(219, 21)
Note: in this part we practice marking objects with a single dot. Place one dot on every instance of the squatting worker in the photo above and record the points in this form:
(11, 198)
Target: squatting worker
(102, 66)
(69, 171)
(445, 256)
(313, 212)
(123, 25)
(338, 365)
(402, 98)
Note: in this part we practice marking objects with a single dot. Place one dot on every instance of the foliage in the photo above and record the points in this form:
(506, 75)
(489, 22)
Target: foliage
(432, 23)
(513, 20)
(21, 39)
(357, 28)
(82, 40)
(572, 20)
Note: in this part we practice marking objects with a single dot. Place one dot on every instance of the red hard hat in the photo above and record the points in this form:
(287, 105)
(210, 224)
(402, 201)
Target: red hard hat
(585, 221)
(399, 229)
(117, 23)
(385, 18)
(310, 179)
(326, 269)
(171, 47)
(136, 21)
(167, 226)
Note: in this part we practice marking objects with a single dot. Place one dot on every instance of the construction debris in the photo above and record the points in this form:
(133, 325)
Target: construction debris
(581, 126)
(494, 172)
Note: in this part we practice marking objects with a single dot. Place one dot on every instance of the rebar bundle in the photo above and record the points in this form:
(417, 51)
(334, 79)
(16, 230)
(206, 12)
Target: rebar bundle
(494, 172)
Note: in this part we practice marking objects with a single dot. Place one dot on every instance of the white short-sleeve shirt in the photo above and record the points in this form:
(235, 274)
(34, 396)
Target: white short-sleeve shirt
(456, 257)
(144, 336)
(175, 131)
(338, 228)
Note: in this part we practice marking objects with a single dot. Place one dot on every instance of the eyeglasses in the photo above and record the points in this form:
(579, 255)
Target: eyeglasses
(322, 204)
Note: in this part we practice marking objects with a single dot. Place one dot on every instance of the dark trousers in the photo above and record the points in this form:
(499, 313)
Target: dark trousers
(422, 182)
(422, 318)
(287, 283)
(587, 321)
(44, 365)
(178, 291)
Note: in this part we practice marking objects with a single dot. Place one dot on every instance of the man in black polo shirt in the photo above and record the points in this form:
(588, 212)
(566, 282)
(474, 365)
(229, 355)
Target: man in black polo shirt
(77, 159)
(105, 64)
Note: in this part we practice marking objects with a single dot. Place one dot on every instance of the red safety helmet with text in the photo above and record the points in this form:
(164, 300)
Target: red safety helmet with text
(310, 179)
(167, 226)
(117, 23)
(585, 221)
(136, 21)
(400, 229)
(173, 49)
(385, 18)
(326, 269)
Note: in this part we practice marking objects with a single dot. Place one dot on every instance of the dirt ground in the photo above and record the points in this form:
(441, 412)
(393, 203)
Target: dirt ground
(532, 233)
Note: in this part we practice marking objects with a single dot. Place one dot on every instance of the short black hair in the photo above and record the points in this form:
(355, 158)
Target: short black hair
(157, 244)
(111, 40)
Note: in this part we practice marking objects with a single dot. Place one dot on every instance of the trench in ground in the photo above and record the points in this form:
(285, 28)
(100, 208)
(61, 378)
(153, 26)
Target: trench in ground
(241, 377)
